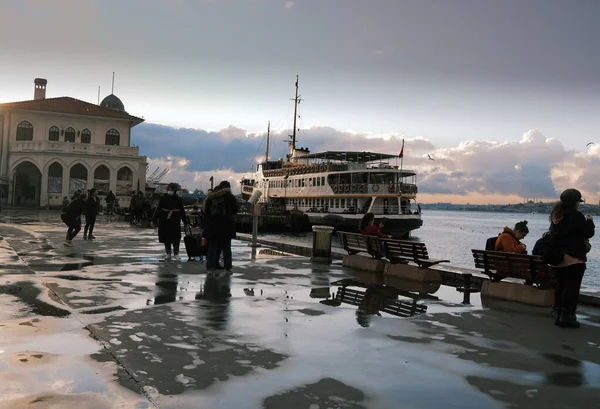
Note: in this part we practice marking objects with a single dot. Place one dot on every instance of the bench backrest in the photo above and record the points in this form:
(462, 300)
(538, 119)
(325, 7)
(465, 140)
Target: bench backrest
(404, 248)
(502, 264)
(354, 242)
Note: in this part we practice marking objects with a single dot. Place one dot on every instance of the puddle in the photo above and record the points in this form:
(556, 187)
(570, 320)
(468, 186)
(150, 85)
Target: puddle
(28, 294)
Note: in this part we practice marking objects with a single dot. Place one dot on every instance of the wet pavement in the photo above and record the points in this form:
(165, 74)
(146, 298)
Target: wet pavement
(106, 324)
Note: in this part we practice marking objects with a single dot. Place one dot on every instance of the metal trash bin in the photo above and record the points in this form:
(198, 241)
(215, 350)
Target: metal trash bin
(321, 250)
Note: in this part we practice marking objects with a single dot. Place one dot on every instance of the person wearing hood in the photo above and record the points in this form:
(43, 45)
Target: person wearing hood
(509, 240)
(219, 226)
(168, 215)
(573, 230)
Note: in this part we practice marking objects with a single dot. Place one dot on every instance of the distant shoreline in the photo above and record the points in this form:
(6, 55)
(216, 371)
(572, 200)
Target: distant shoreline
(527, 208)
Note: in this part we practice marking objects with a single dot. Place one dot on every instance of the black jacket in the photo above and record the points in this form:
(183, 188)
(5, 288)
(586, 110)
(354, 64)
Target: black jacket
(219, 215)
(92, 205)
(75, 208)
(573, 229)
(169, 214)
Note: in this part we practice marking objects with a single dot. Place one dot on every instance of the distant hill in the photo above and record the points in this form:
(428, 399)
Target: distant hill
(531, 207)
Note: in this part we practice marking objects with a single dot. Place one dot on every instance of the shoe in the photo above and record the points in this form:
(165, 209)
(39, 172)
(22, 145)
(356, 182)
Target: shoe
(176, 257)
(68, 243)
(568, 319)
(228, 272)
(85, 237)
(167, 257)
(91, 237)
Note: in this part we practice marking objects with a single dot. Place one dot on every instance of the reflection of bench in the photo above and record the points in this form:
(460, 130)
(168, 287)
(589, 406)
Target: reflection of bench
(499, 265)
(374, 299)
(355, 243)
(402, 251)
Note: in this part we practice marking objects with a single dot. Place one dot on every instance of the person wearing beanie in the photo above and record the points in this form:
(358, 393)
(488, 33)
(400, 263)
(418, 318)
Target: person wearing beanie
(509, 240)
(92, 206)
(168, 215)
(219, 226)
(573, 229)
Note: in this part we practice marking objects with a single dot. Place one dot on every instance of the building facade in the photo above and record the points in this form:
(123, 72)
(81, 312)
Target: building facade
(51, 147)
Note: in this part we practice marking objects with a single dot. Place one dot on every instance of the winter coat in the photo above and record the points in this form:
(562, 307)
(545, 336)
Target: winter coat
(372, 230)
(219, 215)
(168, 216)
(110, 198)
(74, 209)
(92, 205)
(573, 230)
(508, 243)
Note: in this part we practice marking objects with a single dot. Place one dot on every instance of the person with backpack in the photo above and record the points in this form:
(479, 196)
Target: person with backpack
(564, 248)
(509, 241)
(219, 226)
(168, 215)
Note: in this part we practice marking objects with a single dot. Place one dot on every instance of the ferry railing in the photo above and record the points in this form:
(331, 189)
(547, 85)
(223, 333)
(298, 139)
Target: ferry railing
(375, 188)
(392, 209)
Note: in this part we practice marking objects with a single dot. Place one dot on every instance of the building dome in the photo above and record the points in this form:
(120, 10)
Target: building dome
(113, 102)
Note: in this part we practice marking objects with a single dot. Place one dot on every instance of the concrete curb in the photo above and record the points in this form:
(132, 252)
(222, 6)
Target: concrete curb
(585, 298)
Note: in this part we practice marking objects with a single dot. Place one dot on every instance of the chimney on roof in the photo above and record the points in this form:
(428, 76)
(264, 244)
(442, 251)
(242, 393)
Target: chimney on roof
(40, 88)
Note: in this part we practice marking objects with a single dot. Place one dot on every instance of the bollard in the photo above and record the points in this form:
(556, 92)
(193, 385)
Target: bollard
(256, 211)
(321, 251)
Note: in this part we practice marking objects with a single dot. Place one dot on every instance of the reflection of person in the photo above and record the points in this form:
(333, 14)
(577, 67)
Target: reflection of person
(509, 241)
(219, 226)
(368, 228)
(168, 215)
(216, 290)
(573, 228)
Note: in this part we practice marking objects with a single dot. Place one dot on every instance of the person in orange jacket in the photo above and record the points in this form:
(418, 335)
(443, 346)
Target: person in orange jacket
(510, 239)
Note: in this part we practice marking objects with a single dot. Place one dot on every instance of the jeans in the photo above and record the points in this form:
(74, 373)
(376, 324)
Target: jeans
(110, 208)
(90, 221)
(215, 247)
(74, 225)
(569, 283)
(175, 248)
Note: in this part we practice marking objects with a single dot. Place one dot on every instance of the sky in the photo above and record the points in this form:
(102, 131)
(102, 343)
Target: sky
(504, 95)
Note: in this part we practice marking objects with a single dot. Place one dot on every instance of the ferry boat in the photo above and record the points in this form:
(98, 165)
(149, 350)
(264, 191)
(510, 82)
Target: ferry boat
(337, 188)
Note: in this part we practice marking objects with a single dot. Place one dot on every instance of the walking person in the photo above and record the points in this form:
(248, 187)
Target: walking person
(219, 226)
(110, 203)
(573, 229)
(168, 215)
(71, 216)
(92, 206)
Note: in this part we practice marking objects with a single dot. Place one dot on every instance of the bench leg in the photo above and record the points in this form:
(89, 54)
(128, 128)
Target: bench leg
(467, 288)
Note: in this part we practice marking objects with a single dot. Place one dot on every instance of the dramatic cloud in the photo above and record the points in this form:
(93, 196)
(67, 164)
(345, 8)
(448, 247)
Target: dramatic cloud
(534, 166)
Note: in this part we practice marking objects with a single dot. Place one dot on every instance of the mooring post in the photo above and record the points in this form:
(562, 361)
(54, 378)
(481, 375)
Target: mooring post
(256, 211)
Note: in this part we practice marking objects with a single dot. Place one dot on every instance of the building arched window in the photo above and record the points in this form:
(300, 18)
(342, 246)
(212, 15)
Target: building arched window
(86, 136)
(53, 133)
(112, 137)
(70, 135)
(25, 131)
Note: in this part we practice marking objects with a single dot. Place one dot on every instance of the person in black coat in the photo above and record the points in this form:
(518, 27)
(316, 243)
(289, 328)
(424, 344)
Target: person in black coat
(92, 206)
(573, 229)
(71, 216)
(168, 215)
(219, 226)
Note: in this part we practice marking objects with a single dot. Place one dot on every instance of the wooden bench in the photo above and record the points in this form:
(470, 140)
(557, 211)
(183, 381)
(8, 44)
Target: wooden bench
(355, 243)
(402, 251)
(500, 265)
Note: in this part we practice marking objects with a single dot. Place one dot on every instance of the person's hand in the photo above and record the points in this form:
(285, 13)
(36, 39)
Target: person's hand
(381, 225)
(589, 217)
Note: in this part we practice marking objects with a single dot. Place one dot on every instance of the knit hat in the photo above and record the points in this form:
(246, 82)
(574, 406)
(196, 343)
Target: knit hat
(571, 196)
(224, 185)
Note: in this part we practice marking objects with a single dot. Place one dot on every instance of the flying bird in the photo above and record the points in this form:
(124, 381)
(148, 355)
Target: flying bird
(429, 156)
(591, 143)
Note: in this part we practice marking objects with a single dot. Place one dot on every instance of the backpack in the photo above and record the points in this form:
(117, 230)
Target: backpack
(219, 208)
(549, 247)
(490, 244)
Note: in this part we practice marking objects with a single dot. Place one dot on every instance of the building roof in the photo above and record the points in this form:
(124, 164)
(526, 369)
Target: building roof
(348, 156)
(113, 102)
(68, 105)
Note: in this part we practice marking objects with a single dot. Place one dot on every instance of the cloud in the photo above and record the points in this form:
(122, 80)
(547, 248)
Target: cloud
(533, 166)
(288, 4)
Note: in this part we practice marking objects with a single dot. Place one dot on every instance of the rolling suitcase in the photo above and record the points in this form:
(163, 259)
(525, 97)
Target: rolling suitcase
(193, 243)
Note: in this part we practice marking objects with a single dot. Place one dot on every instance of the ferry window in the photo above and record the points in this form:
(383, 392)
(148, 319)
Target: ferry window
(345, 178)
(333, 179)
(382, 178)
(359, 177)
(343, 203)
(323, 181)
(303, 182)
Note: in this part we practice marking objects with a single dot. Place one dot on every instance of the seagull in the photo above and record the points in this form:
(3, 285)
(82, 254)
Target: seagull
(429, 156)
(591, 143)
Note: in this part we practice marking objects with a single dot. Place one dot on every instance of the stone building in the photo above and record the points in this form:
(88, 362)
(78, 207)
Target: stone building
(50, 147)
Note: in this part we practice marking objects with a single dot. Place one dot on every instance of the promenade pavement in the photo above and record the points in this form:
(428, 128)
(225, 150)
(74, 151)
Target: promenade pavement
(106, 324)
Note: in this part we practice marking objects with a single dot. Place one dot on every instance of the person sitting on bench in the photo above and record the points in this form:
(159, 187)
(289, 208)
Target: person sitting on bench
(509, 240)
(368, 228)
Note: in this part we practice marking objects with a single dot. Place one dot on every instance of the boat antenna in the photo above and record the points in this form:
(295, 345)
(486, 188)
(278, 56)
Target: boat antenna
(293, 135)
(268, 134)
